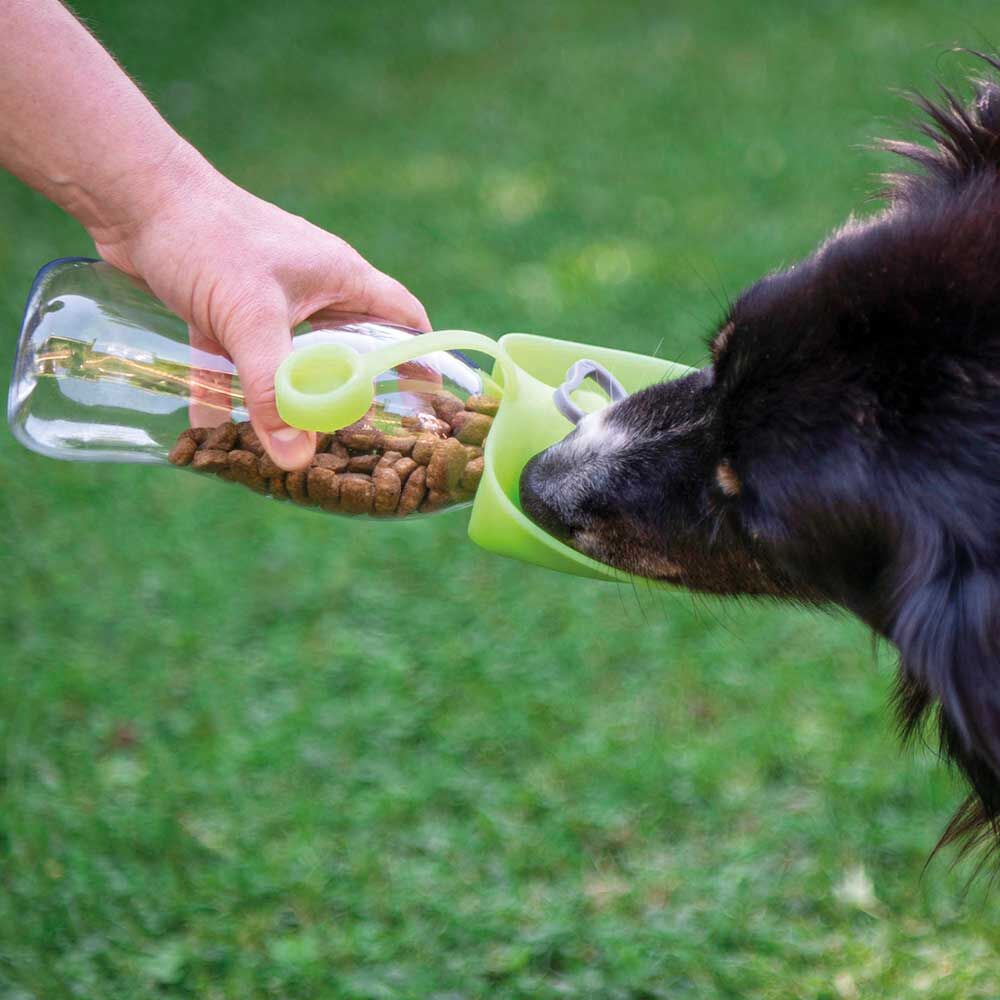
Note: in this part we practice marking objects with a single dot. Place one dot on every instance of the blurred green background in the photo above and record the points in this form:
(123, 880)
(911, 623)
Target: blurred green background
(251, 751)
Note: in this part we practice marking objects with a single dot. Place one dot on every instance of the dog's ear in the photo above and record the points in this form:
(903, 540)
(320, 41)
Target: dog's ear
(947, 629)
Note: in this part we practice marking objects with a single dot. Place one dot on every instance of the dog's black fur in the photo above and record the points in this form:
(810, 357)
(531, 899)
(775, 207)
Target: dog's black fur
(843, 446)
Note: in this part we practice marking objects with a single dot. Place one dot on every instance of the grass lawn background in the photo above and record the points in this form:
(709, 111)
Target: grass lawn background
(252, 751)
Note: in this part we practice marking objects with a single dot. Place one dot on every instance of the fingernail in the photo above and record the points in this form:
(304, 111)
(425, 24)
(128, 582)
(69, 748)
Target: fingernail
(290, 448)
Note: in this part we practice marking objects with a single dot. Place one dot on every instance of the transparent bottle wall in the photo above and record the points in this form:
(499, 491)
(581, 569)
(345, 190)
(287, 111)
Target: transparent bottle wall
(105, 373)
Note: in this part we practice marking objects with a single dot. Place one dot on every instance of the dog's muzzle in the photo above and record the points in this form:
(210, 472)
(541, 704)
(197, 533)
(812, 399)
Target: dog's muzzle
(534, 502)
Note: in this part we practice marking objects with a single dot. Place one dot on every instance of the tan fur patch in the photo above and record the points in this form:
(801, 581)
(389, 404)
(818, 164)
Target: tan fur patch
(721, 340)
(666, 569)
(727, 479)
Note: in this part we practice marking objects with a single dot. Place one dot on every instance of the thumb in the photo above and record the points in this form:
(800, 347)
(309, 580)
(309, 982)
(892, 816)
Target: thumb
(258, 343)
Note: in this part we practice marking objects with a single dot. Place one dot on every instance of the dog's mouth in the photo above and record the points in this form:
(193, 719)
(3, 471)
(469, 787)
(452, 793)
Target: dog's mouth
(628, 549)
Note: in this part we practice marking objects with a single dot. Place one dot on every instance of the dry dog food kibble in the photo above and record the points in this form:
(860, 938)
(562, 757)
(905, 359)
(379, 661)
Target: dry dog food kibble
(434, 463)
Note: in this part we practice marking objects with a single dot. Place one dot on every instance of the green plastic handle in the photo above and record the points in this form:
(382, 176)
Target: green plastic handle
(323, 387)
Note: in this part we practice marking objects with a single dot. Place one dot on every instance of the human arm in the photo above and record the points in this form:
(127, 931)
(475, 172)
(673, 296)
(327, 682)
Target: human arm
(241, 271)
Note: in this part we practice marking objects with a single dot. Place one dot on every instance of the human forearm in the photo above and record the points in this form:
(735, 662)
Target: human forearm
(76, 128)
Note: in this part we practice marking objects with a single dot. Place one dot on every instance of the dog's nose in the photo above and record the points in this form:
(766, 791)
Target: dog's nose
(536, 505)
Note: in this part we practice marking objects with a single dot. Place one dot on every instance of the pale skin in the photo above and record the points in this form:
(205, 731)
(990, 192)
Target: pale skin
(240, 271)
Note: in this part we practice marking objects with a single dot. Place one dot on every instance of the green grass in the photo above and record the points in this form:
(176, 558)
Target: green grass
(254, 752)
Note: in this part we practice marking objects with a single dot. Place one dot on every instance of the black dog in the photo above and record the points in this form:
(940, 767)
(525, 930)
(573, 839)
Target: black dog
(843, 446)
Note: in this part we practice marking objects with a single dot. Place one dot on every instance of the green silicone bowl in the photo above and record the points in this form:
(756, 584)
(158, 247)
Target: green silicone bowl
(326, 387)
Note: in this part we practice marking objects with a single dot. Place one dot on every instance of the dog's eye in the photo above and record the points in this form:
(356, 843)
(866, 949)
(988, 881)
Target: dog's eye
(721, 340)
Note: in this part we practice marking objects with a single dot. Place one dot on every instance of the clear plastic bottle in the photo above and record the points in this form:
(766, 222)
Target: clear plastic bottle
(104, 372)
(407, 424)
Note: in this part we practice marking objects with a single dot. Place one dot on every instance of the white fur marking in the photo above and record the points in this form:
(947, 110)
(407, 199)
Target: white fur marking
(594, 437)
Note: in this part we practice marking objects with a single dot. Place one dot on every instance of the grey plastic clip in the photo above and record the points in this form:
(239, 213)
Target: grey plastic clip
(585, 369)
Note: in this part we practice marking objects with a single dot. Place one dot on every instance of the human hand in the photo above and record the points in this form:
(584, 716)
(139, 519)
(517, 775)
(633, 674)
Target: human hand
(240, 271)
(243, 273)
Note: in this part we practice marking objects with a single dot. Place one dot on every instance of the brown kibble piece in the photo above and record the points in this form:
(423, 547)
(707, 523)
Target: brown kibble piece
(323, 487)
(268, 468)
(458, 422)
(296, 487)
(196, 434)
(446, 405)
(388, 460)
(183, 451)
(471, 476)
(403, 444)
(424, 447)
(362, 463)
(483, 404)
(357, 494)
(209, 460)
(446, 466)
(334, 461)
(243, 469)
(474, 429)
(404, 467)
(360, 437)
(323, 442)
(276, 487)
(222, 438)
(427, 423)
(388, 487)
(413, 492)
(438, 426)
(248, 438)
(434, 500)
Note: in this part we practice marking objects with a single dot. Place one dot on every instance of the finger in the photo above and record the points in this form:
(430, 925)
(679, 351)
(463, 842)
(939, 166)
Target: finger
(258, 343)
(376, 294)
(209, 382)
